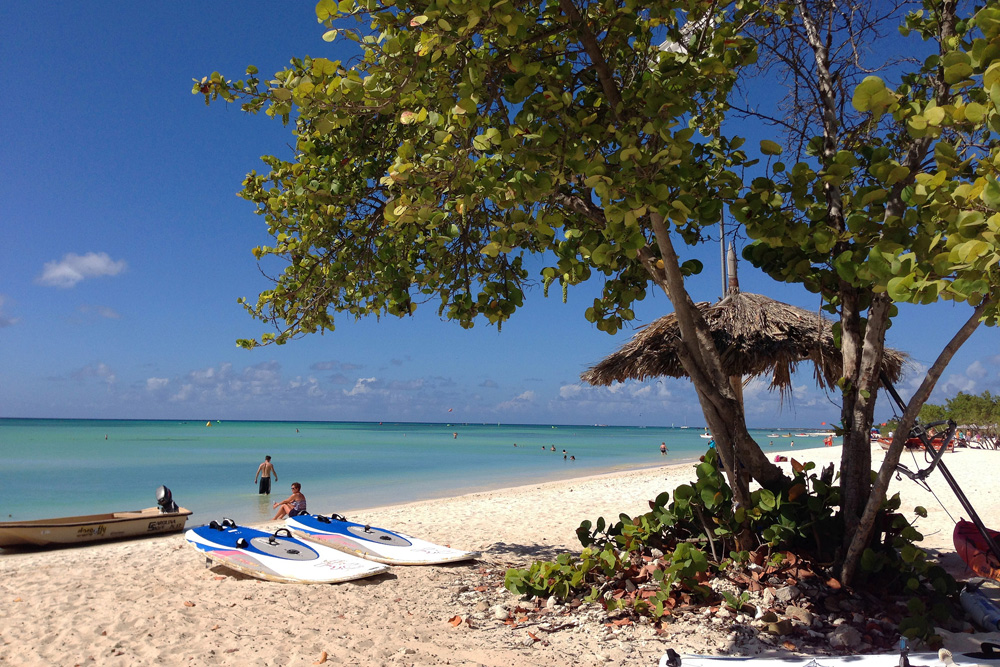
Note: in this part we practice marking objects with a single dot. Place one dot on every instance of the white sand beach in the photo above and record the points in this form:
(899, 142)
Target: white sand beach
(154, 601)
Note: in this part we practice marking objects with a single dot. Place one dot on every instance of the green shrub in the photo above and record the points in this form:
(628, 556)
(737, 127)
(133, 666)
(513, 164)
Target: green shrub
(689, 535)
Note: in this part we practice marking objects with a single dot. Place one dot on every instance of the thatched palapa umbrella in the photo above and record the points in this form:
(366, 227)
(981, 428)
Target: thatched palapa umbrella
(755, 336)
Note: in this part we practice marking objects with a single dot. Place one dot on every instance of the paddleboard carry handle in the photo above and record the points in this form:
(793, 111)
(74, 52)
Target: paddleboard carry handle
(226, 523)
(274, 538)
(987, 651)
(670, 659)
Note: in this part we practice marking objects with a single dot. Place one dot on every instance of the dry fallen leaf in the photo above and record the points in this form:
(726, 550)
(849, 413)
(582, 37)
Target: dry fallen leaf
(322, 658)
(188, 603)
(790, 646)
(214, 627)
(220, 577)
(17, 599)
(455, 620)
(532, 635)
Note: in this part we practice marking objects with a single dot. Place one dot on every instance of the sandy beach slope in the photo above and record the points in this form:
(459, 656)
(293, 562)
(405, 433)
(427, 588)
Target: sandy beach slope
(154, 601)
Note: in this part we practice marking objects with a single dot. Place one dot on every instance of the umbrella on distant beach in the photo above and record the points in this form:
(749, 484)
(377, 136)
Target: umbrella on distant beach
(755, 336)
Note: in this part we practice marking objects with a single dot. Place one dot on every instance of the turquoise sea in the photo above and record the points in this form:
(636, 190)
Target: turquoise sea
(54, 467)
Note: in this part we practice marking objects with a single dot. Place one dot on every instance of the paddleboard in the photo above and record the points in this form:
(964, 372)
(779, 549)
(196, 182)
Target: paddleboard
(277, 556)
(942, 658)
(376, 544)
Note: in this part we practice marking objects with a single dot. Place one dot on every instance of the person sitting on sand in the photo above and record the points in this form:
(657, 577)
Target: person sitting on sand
(293, 505)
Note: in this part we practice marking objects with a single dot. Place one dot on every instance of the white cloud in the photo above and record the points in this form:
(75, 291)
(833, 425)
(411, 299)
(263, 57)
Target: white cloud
(153, 384)
(101, 371)
(4, 320)
(519, 401)
(73, 268)
(99, 311)
(976, 370)
(361, 387)
(570, 391)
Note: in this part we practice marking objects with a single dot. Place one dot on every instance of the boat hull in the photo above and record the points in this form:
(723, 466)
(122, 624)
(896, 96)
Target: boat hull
(972, 549)
(92, 528)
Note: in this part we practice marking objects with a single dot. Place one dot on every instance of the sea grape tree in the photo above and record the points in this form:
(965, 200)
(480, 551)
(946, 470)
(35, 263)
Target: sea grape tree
(469, 134)
(896, 201)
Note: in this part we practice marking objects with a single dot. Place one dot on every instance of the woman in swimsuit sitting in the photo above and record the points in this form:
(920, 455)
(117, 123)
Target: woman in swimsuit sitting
(293, 505)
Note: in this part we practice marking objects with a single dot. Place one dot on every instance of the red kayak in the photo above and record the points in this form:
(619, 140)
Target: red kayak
(973, 549)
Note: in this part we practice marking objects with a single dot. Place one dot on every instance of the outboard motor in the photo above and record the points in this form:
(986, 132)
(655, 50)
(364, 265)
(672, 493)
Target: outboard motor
(165, 500)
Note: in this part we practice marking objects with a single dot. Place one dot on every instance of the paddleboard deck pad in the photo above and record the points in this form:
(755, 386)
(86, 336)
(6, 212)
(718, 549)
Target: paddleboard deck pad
(375, 544)
(277, 556)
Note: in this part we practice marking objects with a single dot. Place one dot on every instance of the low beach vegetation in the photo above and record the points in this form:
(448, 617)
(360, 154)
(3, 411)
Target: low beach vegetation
(684, 553)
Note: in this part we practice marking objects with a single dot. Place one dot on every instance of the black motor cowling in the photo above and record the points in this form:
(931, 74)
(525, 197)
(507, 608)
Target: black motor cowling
(165, 500)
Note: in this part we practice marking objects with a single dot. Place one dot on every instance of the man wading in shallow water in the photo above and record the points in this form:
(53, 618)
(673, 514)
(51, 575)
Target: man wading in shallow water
(264, 471)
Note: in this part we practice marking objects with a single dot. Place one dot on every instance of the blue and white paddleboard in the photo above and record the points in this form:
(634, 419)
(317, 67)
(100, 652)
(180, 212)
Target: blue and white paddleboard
(277, 556)
(940, 659)
(376, 544)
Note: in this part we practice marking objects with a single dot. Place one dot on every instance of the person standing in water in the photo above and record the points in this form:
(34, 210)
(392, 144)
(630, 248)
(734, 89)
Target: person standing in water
(264, 471)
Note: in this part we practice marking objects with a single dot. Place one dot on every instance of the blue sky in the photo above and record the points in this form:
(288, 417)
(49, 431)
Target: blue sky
(125, 249)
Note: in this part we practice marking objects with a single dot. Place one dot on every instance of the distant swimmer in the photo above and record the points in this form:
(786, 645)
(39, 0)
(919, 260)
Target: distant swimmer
(264, 471)
(515, 444)
(572, 458)
(455, 435)
(663, 448)
(553, 448)
(828, 441)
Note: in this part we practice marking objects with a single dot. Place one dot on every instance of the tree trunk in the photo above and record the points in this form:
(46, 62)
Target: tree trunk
(861, 537)
(724, 414)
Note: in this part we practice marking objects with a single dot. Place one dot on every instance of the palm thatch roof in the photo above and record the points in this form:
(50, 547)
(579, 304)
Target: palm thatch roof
(755, 335)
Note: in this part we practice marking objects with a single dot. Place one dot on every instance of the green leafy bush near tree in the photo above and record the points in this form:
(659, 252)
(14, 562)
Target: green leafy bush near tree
(656, 562)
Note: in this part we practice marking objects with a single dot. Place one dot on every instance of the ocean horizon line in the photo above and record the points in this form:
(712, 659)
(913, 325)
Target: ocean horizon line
(198, 420)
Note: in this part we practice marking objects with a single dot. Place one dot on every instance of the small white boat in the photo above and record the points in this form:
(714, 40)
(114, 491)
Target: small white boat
(166, 518)
(707, 436)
